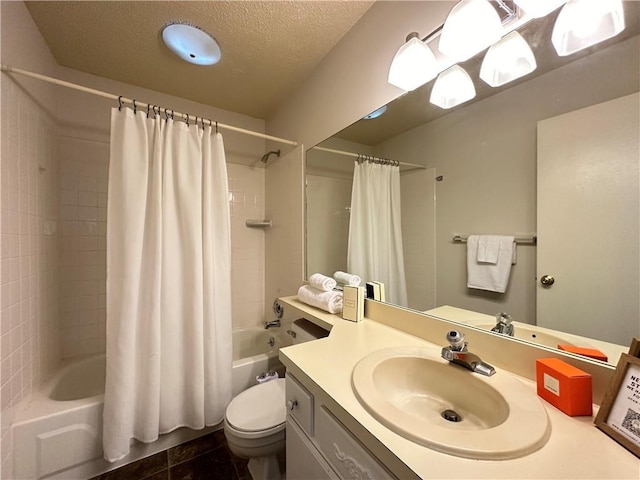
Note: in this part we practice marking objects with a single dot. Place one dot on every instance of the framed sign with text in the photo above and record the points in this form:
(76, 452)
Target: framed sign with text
(619, 414)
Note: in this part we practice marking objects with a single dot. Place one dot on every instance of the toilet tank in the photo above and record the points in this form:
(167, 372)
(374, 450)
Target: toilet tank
(302, 330)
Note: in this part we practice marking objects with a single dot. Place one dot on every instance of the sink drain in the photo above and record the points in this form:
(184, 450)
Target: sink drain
(451, 416)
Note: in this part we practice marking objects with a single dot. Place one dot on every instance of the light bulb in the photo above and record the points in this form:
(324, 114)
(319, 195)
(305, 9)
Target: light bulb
(583, 23)
(472, 26)
(507, 60)
(453, 87)
(413, 65)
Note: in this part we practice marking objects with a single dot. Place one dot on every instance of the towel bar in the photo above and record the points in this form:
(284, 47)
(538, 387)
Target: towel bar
(258, 223)
(530, 239)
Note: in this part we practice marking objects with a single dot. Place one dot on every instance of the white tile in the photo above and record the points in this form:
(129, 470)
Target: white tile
(88, 199)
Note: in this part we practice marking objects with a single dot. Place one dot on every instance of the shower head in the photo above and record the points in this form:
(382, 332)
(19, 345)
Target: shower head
(265, 157)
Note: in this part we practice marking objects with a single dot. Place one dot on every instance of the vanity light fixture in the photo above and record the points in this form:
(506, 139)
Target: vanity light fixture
(507, 60)
(583, 23)
(453, 87)
(539, 8)
(191, 44)
(472, 26)
(413, 65)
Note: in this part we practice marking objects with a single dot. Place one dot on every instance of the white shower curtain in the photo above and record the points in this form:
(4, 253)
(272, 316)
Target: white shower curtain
(375, 232)
(169, 352)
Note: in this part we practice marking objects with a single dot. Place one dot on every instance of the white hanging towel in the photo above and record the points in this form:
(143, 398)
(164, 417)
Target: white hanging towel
(485, 275)
(488, 249)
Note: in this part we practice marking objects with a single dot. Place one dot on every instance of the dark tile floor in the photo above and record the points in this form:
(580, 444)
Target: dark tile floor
(204, 458)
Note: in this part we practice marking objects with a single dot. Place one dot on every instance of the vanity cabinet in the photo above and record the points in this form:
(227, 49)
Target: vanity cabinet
(319, 446)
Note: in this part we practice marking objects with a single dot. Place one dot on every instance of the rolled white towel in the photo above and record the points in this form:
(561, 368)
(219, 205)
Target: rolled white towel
(347, 279)
(322, 282)
(328, 301)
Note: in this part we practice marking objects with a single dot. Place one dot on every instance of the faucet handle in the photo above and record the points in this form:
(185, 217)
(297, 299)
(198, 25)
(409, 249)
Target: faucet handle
(456, 340)
(503, 317)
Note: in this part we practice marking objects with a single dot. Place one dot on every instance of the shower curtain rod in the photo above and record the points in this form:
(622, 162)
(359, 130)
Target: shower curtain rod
(185, 116)
(357, 155)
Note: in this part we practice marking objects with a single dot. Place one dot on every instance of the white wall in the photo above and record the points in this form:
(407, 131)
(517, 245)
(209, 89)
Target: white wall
(418, 199)
(328, 212)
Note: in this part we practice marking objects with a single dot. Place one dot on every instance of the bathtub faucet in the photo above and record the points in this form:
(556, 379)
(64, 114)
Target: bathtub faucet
(272, 323)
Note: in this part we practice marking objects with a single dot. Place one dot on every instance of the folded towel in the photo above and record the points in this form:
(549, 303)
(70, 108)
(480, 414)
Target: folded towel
(487, 276)
(328, 301)
(488, 249)
(322, 282)
(347, 279)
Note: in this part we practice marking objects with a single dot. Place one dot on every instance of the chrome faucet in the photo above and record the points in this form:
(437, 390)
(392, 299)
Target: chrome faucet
(272, 323)
(503, 324)
(457, 353)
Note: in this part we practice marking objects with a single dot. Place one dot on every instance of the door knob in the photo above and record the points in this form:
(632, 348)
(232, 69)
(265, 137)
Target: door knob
(547, 280)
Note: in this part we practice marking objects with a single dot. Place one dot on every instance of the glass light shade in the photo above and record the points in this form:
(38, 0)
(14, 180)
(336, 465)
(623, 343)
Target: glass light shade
(191, 44)
(539, 8)
(413, 65)
(583, 23)
(472, 26)
(453, 87)
(507, 60)
(375, 113)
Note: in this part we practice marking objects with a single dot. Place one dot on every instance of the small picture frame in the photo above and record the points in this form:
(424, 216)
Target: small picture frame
(619, 414)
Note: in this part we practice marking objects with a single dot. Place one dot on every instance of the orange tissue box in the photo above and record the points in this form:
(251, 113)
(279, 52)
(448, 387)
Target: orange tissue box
(587, 352)
(564, 386)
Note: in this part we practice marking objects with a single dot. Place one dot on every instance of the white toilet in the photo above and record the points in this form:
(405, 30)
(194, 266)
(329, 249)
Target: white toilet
(254, 423)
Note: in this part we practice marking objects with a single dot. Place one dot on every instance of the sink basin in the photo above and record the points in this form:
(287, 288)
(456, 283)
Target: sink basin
(532, 334)
(420, 396)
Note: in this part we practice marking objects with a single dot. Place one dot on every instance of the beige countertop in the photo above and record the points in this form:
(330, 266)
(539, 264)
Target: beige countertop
(576, 448)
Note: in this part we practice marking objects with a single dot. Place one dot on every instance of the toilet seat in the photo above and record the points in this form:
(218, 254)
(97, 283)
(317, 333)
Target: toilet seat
(258, 410)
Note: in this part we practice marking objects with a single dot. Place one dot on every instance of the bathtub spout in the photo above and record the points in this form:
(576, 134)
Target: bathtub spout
(272, 323)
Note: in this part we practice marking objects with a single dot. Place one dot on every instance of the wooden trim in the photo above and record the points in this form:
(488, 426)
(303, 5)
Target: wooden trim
(617, 388)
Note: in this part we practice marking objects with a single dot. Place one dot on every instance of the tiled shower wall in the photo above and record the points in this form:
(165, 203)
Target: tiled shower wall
(247, 202)
(28, 293)
(83, 184)
(83, 231)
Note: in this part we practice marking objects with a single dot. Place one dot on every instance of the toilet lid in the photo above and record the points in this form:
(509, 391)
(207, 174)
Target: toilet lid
(260, 407)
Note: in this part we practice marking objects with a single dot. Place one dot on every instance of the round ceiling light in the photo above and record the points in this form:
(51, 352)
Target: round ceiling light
(191, 44)
(375, 113)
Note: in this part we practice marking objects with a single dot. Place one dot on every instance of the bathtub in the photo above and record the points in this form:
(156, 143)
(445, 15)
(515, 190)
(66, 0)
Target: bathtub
(58, 431)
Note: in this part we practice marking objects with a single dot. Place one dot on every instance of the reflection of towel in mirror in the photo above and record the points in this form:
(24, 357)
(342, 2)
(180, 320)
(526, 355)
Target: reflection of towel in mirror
(322, 282)
(328, 301)
(347, 279)
(489, 276)
(488, 248)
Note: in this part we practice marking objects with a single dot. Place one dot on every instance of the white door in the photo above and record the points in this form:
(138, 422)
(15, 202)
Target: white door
(588, 216)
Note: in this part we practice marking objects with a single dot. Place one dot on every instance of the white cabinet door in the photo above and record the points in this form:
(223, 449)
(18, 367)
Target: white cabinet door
(304, 462)
(588, 217)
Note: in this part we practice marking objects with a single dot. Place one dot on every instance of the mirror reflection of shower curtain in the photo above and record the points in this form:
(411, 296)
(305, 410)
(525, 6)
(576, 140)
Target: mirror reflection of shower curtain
(375, 230)
(169, 355)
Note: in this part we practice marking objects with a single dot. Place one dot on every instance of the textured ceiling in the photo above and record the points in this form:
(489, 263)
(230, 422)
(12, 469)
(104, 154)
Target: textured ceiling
(268, 47)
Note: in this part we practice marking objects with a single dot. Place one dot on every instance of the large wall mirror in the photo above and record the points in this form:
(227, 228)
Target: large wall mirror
(494, 166)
